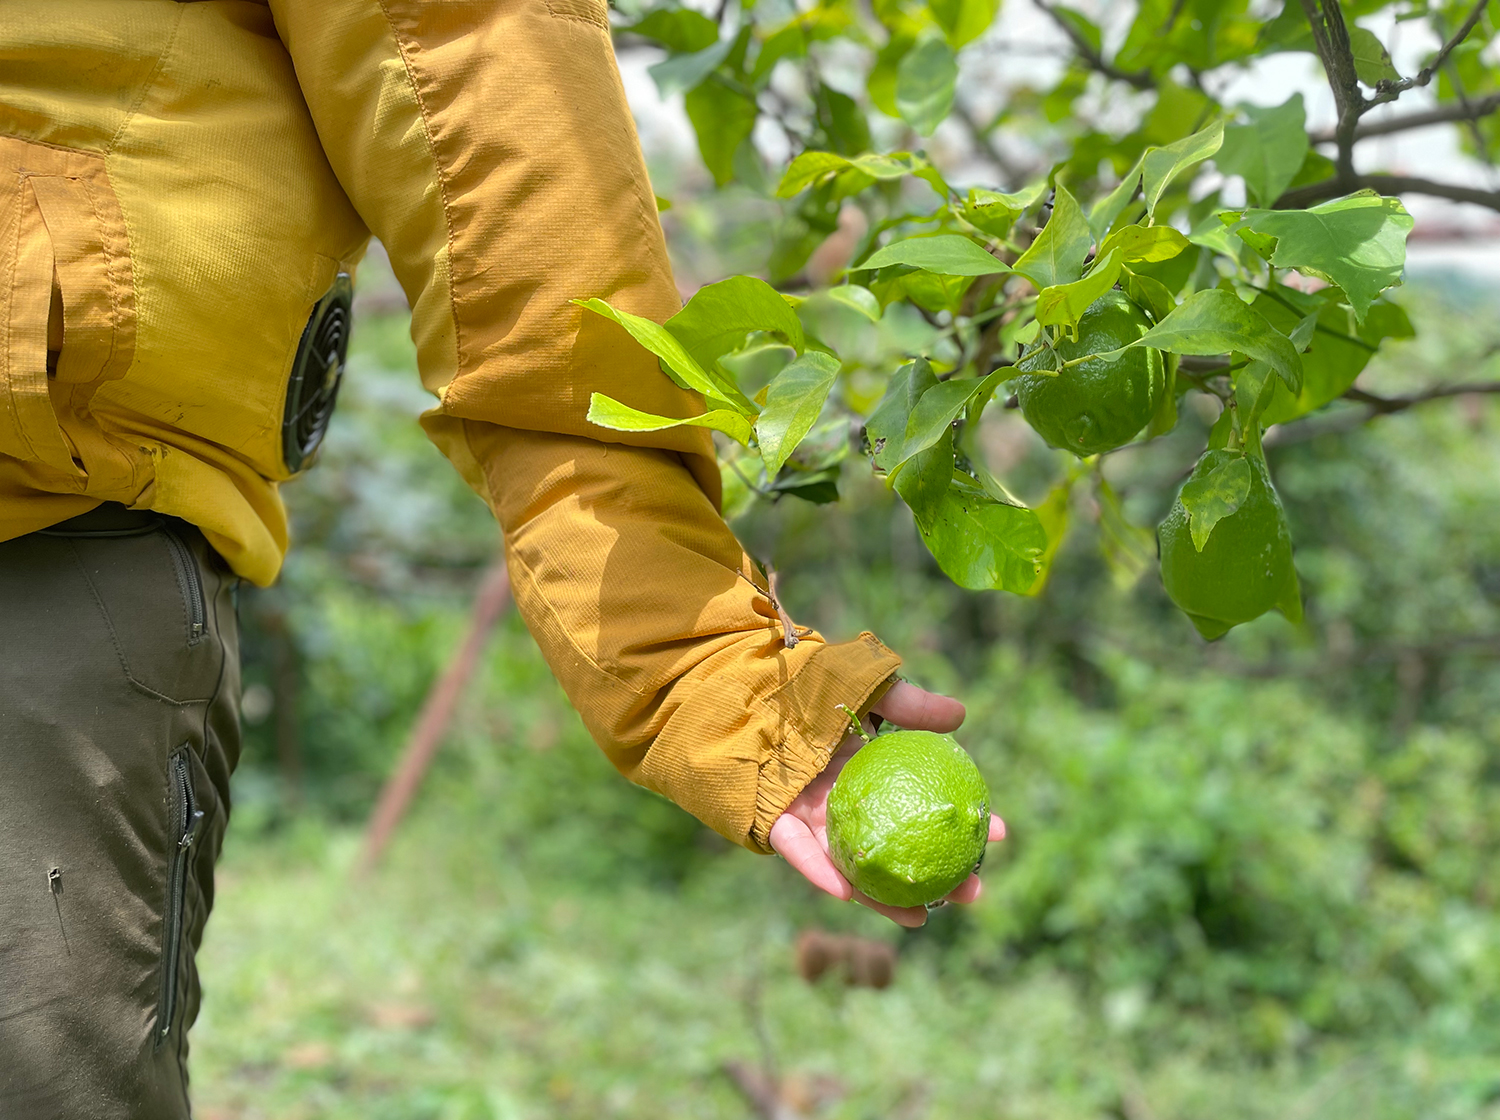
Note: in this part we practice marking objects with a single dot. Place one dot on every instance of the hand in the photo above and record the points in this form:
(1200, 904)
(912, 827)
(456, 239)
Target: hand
(800, 835)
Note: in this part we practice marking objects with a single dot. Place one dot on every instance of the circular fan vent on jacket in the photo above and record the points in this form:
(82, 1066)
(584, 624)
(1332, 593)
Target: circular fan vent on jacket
(316, 373)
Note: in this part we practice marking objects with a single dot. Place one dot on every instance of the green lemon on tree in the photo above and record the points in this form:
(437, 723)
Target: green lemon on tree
(1100, 404)
(1245, 566)
(908, 817)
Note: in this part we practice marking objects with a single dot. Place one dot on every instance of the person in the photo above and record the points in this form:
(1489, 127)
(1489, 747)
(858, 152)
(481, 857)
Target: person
(185, 190)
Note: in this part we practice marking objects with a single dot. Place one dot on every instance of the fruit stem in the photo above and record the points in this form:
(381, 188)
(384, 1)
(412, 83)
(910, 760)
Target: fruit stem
(859, 728)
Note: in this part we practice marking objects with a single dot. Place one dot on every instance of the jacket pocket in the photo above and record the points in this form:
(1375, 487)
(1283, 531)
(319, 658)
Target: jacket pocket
(67, 297)
(185, 823)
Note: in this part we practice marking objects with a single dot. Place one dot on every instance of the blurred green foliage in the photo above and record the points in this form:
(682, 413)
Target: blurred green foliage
(1251, 879)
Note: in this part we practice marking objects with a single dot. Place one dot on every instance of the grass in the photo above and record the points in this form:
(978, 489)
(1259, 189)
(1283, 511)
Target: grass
(519, 957)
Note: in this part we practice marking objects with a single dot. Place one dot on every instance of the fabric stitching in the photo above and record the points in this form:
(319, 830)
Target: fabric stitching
(602, 25)
(114, 295)
(10, 316)
(149, 84)
(114, 638)
(514, 559)
(442, 178)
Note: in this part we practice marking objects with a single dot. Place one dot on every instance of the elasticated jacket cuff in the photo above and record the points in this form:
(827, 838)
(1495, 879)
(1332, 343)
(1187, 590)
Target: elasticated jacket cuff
(812, 723)
(653, 619)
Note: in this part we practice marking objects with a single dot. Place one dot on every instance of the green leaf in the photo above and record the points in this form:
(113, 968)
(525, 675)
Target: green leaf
(995, 213)
(610, 413)
(679, 365)
(1087, 29)
(925, 81)
(963, 21)
(1112, 205)
(1254, 388)
(793, 401)
(1144, 244)
(1337, 352)
(1163, 165)
(723, 118)
(686, 71)
(1216, 322)
(719, 316)
(982, 544)
(860, 299)
(1212, 233)
(1372, 61)
(819, 487)
(787, 41)
(931, 291)
(1164, 419)
(852, 175)
(1057, 254)
(807, 169)
(1147, 292)
(842, 124)
(1221, 429)
(1268, 152)
(1129, 550)
(883, 76)
(886, 427)
(935, 413)
(1062, 305)
(1052, 515)
(753, 366)
(678, 29)
(925, 478)
(948, 254)
(1357, 242)
(1214, 496)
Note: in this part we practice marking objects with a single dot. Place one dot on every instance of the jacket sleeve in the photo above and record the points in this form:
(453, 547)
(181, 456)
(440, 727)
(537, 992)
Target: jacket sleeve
(488, 145)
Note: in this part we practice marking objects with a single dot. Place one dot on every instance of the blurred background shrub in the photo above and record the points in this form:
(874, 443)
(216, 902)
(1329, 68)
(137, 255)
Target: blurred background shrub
(1250, 879)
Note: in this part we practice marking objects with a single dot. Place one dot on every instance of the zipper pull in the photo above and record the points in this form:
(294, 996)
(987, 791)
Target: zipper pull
(195, 822)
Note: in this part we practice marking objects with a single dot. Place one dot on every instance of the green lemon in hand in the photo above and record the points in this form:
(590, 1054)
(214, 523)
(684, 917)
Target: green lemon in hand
(1245, 568)
(1100, 404)
(908, 817)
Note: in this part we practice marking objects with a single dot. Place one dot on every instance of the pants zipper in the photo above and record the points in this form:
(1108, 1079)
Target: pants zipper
(187, 820)
(191, 584)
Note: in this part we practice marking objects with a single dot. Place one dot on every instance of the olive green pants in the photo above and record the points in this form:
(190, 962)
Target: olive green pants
(119, 694)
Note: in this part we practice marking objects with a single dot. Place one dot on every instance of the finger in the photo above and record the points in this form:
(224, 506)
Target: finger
(794, 841)
(912, 917)
(997, 829)
(906, 705)
(967, 891)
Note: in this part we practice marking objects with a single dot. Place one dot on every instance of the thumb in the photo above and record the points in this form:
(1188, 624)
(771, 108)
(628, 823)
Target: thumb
(915, 708)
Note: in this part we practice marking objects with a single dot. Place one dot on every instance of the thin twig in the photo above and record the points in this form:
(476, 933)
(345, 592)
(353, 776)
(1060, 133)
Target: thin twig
(791, 632)
(1443, 114)
(985, 142)
(1384, 406)
(1304, 429)
(1140, 79)
(1331, 38)
(1385, 184)
(1387, 90)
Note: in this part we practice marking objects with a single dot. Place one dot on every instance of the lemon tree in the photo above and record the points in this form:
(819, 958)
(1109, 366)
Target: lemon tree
(1092, 250)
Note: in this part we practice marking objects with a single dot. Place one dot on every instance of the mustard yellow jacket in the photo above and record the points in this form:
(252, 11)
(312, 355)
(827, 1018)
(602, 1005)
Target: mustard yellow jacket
(181, 182)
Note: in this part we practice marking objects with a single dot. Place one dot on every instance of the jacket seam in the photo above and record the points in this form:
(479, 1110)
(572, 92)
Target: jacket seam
(514, 558)
(594, 23)
(149, 84)
(442, 181)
